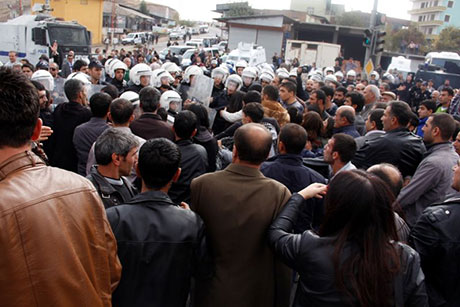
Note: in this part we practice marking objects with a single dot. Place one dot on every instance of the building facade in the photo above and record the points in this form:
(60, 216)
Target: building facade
(85, 12)
(432, 16)
(323, 8)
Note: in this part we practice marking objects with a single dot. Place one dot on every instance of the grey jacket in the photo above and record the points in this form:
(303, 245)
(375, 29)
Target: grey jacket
(83, 138)
(431, 181)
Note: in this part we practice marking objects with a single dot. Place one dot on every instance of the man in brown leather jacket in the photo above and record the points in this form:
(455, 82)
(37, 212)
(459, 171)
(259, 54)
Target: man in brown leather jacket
(56, 245)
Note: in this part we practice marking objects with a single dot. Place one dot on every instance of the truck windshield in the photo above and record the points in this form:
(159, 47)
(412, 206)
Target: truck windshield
(451, 66)
(68, 36)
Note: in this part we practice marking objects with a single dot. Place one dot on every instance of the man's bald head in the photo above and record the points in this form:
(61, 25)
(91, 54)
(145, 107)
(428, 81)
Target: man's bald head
(253, 143)
(390, 175)
(344, 116)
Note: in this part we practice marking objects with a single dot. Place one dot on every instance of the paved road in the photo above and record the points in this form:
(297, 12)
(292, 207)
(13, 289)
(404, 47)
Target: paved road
(163, 40)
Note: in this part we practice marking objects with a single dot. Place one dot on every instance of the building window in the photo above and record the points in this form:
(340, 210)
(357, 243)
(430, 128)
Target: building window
(432, 17)
(447, 18)
(430, 30)
(420, 18)
(450, 4)
(422, 5)
(436, 3)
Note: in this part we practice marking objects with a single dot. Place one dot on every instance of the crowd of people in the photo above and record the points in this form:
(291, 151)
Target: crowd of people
(288, 186)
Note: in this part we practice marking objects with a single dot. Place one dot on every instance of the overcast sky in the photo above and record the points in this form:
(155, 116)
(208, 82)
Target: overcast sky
(201, 10)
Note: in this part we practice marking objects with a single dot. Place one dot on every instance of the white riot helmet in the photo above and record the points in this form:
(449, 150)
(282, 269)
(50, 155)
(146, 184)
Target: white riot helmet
(45, 78)
(171, 67)
(375, 74)
(330, 78)
(318, 72)
(116, 65)
(351, 73)
(316, 78)
(266, 66)
(160, 75)
(171, 99)
(249, 72)
(219, 72)
(107, 65)
(235, 80)
(79, 76)
(138, 71)
(282, 69)
(293, 73)
(267, 76)
(329, 69)
(339, 74)
(131, 96)
(225, 67)
(241, 63)
(192, 70)
(1, 64)
(390, 77)
(155, 66)
(283, 74)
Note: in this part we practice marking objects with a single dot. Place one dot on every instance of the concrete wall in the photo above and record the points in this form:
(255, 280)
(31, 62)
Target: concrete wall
(269, 39)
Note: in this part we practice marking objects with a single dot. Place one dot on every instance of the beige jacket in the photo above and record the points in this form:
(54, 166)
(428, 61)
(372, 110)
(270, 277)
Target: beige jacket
(237, 206)
(275, 109)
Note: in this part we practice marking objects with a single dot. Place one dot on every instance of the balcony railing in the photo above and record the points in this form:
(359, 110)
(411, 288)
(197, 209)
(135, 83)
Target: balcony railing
(427, 10)
(430, 23)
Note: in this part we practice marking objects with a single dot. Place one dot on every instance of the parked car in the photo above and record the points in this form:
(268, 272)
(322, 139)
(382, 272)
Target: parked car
(176, 35)
(222, 46)
(177, 50)
(187, 56)
(194, 44)
(134, 38)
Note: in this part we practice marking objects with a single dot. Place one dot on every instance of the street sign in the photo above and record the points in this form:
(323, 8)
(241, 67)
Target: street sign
(369, 67)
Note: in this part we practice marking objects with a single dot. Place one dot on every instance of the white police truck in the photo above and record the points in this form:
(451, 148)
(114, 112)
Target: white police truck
(31, 36)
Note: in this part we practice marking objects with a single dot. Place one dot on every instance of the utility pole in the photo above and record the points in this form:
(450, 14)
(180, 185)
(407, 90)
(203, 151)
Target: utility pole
(114, 11)
(370, 49)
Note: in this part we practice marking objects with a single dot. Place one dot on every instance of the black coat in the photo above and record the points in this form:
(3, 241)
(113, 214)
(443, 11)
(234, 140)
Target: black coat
(66, 118)
(120, 85)
(311, 256)
(436, 237)
(290, 171)
(160, 246)
(399, 147)
(204, 138)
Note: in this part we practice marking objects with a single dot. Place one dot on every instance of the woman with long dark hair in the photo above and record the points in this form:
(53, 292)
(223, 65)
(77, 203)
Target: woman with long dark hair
(355, 260)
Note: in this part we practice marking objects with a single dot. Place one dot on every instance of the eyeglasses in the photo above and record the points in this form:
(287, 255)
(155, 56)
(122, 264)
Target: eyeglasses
(53, 69)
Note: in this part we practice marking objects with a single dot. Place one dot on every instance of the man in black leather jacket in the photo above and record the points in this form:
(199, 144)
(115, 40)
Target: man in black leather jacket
(398, 146)
(436, 237)
(160, 245)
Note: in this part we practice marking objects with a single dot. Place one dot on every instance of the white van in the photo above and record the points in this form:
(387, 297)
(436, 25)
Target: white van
(254, 56)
